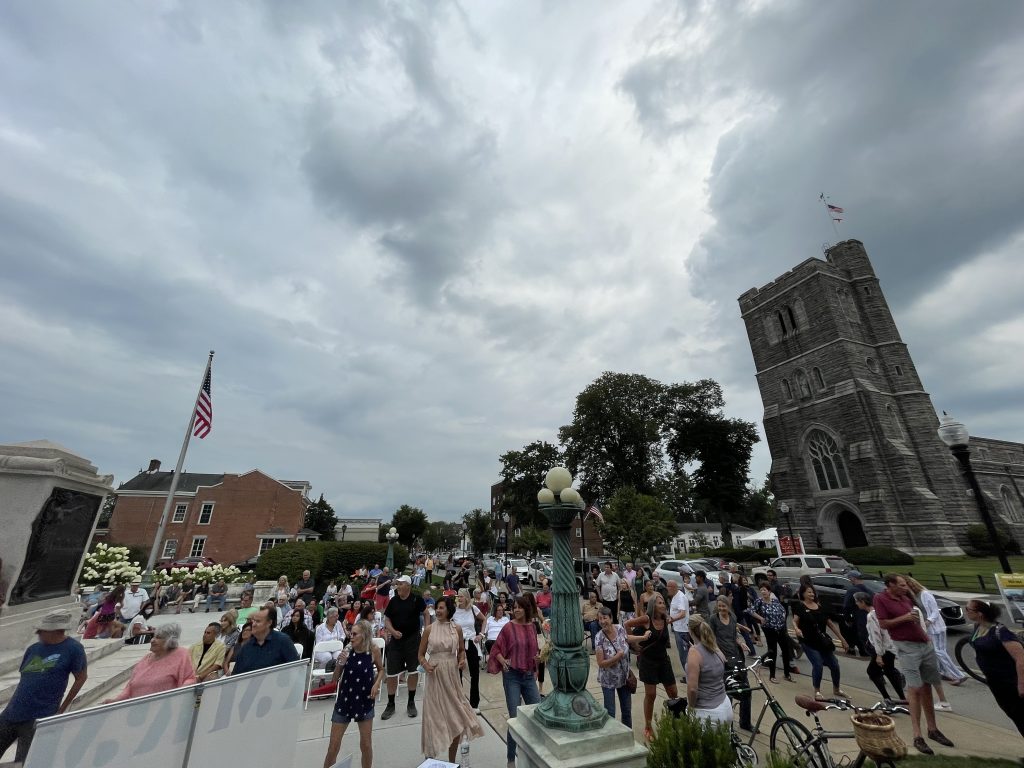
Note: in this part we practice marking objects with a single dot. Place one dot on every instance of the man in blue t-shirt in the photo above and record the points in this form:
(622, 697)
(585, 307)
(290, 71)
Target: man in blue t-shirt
(267, 647)
(44, 677)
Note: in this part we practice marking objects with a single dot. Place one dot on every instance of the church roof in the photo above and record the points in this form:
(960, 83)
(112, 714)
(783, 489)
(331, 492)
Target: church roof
(188, 482)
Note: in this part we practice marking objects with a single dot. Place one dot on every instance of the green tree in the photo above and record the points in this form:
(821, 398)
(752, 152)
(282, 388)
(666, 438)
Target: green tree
(440, 535)
(320, 517)
(478, 530)
(522, 475)
(758, 509)
(532, 540)
(635, 523)
(410, 522)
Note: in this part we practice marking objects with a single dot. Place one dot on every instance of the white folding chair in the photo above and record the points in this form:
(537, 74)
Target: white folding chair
(324, 646)
(299, 649)
(379, 642)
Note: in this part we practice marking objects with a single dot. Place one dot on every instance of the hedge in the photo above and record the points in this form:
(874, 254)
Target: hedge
(877, 556)
(324, 560)
(980, 543)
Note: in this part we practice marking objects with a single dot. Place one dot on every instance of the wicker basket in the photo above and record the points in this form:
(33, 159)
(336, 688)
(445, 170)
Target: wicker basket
(876, 736)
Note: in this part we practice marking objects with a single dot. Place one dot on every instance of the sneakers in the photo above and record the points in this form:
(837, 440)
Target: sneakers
(943, 706)
(388, 713)
(411, 710)
(922, 746)
(938, 738)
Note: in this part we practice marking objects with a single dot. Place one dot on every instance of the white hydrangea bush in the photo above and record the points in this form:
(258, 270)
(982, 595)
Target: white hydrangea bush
(107, 565)
(212, 573)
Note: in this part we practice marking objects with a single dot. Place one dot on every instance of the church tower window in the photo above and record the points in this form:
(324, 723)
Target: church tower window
(787, 391)
(1012, 505)
(826, 461)
(819, 380)
(801, 384)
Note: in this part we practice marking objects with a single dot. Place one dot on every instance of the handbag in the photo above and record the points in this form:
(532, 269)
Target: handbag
(631, 682)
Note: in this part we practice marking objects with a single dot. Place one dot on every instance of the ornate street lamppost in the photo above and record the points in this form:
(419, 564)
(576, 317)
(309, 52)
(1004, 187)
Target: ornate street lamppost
(570, 706)
(954, 434)
(506, 517)
(392, 537)
(344, 528)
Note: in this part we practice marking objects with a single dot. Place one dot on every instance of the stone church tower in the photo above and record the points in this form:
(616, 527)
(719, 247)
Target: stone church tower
(850, 427)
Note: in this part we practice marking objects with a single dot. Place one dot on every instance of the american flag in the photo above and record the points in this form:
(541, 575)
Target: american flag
(204, 408)
(593, 510)
(835, 208)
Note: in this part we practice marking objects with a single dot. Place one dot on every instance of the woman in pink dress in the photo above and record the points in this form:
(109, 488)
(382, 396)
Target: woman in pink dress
(164, 668)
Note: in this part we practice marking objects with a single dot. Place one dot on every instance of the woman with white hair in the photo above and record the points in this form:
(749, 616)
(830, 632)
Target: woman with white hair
(331, 629)
(165, 667)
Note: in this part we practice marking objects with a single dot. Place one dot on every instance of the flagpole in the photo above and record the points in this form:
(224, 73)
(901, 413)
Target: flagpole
(824, 202)
(177, 472)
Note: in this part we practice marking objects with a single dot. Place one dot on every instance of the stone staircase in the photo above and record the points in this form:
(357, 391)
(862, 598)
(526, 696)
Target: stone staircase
(110, 664)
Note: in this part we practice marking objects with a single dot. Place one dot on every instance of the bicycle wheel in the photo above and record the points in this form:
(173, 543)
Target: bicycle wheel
(791, 740)
(966, 659)
(746, 757)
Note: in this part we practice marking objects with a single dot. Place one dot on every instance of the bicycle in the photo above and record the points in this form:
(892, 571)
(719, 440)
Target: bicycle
(746, 757)
(809, 749)
(733, 686)
(964, 652)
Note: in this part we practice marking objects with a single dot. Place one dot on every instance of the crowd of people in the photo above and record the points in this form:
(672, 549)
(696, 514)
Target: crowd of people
(483, 619)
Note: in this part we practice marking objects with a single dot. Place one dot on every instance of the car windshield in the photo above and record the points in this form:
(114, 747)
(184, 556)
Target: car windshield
(838, 564)
(518, 563)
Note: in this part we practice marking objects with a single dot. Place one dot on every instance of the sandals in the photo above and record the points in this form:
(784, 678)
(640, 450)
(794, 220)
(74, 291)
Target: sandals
(839, 693)
(648, 735)
(773, 680)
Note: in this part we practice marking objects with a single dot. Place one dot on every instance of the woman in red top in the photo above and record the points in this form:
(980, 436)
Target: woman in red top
(515, 654)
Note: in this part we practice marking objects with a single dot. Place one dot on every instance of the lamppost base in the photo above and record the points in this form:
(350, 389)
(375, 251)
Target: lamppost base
(539, 746)
(570, 706)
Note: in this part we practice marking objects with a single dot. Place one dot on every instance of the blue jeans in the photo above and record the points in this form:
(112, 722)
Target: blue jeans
(683, 646)
(593, 628)
(219, 598)
(518, 685)
(625, 698)
(819, 661)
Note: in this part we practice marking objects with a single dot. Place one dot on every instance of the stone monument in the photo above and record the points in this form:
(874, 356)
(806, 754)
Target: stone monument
(569, 727)
(50, 500)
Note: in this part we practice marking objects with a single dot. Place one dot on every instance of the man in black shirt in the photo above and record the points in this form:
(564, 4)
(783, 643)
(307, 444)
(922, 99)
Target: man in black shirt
(402, 623)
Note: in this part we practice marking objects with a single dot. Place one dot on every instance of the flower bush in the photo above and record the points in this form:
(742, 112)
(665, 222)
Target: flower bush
(107, 565)
(211, 573)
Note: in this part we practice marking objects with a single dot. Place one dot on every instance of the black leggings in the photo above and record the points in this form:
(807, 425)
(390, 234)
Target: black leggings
(473, 663)
(775, 638)
(878, 674)
(1009, 701)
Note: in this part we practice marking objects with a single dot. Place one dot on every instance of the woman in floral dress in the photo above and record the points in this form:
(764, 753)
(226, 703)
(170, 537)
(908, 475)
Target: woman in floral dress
(613, 666)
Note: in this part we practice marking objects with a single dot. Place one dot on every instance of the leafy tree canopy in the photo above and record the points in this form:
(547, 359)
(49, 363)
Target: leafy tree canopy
(440, 536)
(532, 540)
(410, 522)
(522, 474)
(478, 530)
(635, 523)
(320, 517)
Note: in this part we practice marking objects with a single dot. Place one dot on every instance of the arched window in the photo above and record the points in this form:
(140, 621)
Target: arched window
(801, 384)
(894, 423)
(826, 461)
(819, 380)
(782, 324)
(792, 319)
(1012, 504)
(787, 391)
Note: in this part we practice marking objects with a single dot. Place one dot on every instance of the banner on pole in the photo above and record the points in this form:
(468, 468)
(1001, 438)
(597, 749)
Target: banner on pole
(253, 717)
(1011, 588)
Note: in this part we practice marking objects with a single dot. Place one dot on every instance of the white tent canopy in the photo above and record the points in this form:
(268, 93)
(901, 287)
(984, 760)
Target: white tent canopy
(768, 534)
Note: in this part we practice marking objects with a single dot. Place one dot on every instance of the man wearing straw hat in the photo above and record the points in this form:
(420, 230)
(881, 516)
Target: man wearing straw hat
(44, 676)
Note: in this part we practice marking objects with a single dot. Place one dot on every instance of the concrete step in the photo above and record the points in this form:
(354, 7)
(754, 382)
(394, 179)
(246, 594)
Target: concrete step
(95, 652)
(108, 676)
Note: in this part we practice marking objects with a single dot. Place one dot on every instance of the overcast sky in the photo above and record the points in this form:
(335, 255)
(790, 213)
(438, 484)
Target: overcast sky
(414, 232)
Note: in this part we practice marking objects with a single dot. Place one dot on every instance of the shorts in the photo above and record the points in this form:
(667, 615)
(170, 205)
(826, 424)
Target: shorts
(918, 664)
(402, 655)
(345, 719)
(653, 672)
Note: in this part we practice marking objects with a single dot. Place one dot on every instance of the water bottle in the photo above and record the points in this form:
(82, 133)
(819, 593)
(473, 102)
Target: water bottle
(464, 752)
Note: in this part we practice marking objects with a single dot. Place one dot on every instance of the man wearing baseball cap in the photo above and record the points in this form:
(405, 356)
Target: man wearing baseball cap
(402, 624)
(44, 677)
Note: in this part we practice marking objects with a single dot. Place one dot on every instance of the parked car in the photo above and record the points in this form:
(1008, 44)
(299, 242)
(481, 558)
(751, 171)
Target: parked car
(792, 567)
(672, 570)
(538, 570)
(591, 562)
(520, 566)
(186, 562)
(831, 591)
(247, 565)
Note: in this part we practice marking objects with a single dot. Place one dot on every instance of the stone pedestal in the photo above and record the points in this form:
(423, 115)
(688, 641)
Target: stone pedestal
(537, 746)
(50, 500)
(263, 591)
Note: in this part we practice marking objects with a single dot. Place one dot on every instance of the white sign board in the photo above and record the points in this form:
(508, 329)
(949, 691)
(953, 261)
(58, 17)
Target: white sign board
(252, 717)
(151, 731)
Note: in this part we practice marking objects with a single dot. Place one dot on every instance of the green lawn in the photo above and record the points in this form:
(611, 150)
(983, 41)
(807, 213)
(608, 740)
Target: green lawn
(961, 573)
(946, 761)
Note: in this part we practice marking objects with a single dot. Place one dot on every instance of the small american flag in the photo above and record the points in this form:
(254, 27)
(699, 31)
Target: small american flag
(593, 510)
(204, 408)
(835, 208)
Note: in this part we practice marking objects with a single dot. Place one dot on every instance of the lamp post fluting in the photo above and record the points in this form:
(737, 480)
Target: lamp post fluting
(954, 434)
(392, 537)
(570, 706)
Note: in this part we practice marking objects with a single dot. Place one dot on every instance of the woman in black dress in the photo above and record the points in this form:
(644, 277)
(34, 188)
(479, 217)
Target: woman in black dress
(1000, 656)
(653, 663)
(299, 633)
(811, 620)
(358, 674)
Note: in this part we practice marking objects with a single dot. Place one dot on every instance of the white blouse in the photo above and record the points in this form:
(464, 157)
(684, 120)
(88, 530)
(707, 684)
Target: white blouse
(466, 618)
(494, 626)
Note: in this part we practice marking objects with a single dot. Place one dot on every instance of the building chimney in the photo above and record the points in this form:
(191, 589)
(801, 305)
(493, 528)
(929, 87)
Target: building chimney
(154, 466)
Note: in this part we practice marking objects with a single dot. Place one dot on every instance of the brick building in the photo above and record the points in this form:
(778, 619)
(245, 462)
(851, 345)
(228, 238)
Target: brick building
(226, 517)
(852, 431)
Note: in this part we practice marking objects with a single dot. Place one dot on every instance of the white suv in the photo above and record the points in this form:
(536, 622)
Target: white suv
(792, 567)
